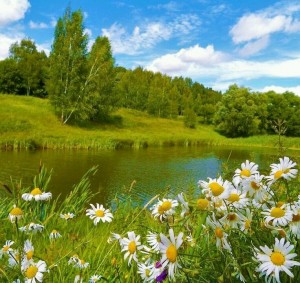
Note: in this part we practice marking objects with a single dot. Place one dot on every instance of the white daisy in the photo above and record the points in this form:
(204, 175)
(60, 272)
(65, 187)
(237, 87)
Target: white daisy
(153, 240)
(231, 220)
(27, 255)
(294, 225)
(32, 227)
(247, 170)
(37, 195)
(184, 205)
(98, 213)
(130, 246)
(273, 261)
(54, 234)
(278, 216)
(216, 188)
(164, 208)
(15, 214)
(6, 248)
(255, 188)
(67, 216)
(246, 221)
(283, 170)
(169, 250)
(95, 278)
(34, 273)
(203, 204)
(146, 271)
(81, 264)
(237, 199)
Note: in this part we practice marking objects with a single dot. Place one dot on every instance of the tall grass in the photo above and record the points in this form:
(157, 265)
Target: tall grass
(30, 123)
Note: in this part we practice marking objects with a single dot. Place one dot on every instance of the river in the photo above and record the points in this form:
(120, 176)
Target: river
(152, 169)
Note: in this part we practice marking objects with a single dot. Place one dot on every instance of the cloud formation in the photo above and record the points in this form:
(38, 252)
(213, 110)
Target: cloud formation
(35, 25)
(12, 10)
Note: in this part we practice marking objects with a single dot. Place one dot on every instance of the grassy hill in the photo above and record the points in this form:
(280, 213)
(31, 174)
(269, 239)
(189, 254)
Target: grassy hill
(29, 123)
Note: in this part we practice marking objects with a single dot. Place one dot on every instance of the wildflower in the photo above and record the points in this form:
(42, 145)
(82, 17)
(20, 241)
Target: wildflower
(246, 220)
(169, 249)
(153, 240)
(164, 208)
(283, 170)
(221, 236)
(15, 214)
(231, 220)
(32, 227)
(99, 213)
(255, 188)
(81, 264)
(216, 188)
(114, 237)
(273, 261)
(28, 254)
(67, 216)
(54, 234)
(14, 258)
(95, 278)
(278, 216)
(184, 205)
(6, 248)
(237, 199)
(294, 224)
(203, 204)
(247, 170)
(73, 259)
(146, 271)
(37, 195)
(130, 246)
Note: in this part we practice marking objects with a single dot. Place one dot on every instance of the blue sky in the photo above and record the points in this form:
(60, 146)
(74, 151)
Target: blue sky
(254, 43)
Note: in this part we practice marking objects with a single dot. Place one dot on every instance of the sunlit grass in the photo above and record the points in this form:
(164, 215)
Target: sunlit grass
(29, 123)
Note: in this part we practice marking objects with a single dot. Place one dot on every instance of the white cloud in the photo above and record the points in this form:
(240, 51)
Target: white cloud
(254, 47)
(12, 10)
(88, 32)
(280, 89)
(6, 42)
(148, 35)
(34, 25)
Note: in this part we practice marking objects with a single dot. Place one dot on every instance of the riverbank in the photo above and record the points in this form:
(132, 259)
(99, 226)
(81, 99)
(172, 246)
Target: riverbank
(30, 123)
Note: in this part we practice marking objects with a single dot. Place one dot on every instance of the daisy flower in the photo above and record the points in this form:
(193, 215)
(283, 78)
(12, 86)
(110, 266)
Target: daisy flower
(219, 232)
(203, 204)
(283, 170)
(278, 216)
(153, 240)
(231, 220)
(32, 227)
(169, 250)
(164, 208)
(273, 261)
(6, 248)
(294, 225)
(216, 188)
(67, 216)
(146, 271)
(247, 170)
(237, 199)
(34, 273)
(81, 264)
(184, 205)
(98, 213)
(95, 278)
(28, 254)
(246, 221)
(114, 237)
(37, 195)
(255, 188)
(14, 258)
(130, 246)
(15, 214)
(54, 234)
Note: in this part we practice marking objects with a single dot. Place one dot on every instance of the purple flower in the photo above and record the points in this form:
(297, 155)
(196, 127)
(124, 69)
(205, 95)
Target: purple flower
(161, 277)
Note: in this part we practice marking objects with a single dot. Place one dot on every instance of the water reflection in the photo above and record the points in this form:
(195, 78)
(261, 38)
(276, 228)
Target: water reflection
(153, 169)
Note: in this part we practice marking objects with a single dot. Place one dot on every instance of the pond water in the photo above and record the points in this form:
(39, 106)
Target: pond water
(152, 169)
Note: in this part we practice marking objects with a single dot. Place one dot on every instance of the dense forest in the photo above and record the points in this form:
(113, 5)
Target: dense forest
(86, 84)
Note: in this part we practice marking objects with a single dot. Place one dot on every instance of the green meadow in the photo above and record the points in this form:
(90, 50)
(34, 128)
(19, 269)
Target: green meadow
(30, 123)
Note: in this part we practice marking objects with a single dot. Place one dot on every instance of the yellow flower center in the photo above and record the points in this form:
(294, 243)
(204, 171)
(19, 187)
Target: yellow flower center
(278, 174)
(5, 248)
(277, 258)
(202, 203)
(132, 247)
(171, 253)
(36, 191)
(216, 188)
(280, 203)
(31, 272)
(99, 213)
(247, 224)
(231, 217)
(54, 232)
(147, 272)
(277, 212)
(166, 205)
(254, 186)
(234, 197)
(29, 255)
(16, 211)
(296, 217)
(219, 232)
(245, 173)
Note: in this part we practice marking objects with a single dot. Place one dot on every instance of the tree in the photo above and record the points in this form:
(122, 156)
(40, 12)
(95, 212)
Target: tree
(30, 64)
(236, 115)
(68, 68)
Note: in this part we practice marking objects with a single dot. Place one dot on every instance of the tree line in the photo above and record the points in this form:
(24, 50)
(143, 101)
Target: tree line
(86, 84)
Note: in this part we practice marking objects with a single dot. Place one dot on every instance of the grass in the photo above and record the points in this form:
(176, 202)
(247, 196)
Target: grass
(30, 123)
